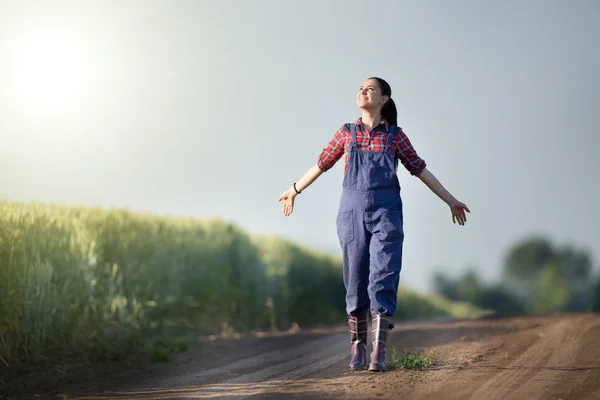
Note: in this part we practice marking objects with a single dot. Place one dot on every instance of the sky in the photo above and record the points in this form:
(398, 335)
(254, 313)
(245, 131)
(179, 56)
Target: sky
(214, 107)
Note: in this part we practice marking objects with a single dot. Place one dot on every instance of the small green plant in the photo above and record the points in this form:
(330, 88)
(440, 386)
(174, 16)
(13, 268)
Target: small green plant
(407, 360)
(92, 374)
(180, 345)
(164, 346)
(159, 353)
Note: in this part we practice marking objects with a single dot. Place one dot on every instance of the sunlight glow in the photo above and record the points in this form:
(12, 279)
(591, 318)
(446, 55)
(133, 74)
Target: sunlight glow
(49, 71)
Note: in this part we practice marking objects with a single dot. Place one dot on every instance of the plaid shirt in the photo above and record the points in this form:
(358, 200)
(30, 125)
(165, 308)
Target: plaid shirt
(340, 145)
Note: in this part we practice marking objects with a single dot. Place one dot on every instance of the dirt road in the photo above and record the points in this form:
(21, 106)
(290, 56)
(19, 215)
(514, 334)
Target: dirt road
(555, 357)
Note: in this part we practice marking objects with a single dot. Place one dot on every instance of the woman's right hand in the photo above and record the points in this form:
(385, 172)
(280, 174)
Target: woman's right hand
(288, 201)
(289, 195)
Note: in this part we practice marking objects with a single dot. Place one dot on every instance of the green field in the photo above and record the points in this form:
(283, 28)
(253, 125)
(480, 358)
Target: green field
(102, 283)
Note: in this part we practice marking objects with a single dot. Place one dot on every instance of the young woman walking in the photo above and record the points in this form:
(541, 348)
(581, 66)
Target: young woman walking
(370, 221)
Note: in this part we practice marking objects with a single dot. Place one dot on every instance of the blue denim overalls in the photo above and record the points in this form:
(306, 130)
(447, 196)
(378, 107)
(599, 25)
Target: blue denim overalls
(370, 229)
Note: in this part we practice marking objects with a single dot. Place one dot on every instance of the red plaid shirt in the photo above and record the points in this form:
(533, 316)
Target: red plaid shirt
(340, 145)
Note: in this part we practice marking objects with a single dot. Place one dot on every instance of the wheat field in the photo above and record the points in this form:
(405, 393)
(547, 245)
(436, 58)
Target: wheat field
(100, 283)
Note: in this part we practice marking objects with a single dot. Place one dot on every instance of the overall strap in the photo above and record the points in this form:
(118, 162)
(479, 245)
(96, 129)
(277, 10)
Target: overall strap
(353, 132)
(393, 131)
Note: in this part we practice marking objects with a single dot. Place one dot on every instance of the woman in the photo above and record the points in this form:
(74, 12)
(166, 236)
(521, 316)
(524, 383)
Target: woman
(369, 221)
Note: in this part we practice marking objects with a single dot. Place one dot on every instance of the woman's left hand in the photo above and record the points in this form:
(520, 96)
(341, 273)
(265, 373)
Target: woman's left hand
(458, 212)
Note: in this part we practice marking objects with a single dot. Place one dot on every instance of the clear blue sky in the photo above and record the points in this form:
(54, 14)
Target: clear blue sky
(215, 107)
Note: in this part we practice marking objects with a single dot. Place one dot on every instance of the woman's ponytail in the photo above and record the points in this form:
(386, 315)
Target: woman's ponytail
(388, 111)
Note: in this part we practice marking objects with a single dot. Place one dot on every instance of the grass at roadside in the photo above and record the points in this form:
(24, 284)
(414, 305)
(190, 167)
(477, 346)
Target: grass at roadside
(407, 360)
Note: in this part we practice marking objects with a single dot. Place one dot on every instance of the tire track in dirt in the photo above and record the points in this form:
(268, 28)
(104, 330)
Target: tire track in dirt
(582, 366)
(277, 366)
(248, 377)
(514, 358)
(541, 370)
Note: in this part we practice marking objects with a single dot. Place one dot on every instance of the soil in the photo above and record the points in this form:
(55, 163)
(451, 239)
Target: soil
(552, 357)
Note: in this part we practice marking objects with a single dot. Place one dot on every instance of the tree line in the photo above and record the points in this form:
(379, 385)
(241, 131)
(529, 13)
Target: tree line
(537, 277)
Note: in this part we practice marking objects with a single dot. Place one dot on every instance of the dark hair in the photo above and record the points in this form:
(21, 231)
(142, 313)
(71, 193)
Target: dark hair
(388, 111)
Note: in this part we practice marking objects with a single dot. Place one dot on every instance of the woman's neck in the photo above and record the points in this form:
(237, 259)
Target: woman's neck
(370, 119)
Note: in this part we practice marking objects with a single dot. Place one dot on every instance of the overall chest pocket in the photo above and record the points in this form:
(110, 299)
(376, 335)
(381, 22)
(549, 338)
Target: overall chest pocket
(380, 176)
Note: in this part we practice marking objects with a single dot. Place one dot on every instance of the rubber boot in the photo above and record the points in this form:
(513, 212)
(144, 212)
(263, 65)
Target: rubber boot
(358, 341)
(380, 326)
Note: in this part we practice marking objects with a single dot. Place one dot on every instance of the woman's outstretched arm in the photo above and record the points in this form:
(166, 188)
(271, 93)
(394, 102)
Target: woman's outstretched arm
(327, 159)
(290, 194)
(456, 207)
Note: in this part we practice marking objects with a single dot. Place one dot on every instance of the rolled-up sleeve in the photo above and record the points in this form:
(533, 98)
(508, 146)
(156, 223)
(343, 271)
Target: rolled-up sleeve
(333, 152)
(407, 154)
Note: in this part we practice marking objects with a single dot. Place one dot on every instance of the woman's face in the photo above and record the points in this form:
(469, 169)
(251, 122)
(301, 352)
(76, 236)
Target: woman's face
(369, 96)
